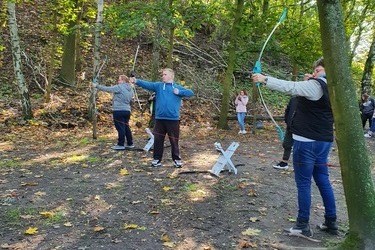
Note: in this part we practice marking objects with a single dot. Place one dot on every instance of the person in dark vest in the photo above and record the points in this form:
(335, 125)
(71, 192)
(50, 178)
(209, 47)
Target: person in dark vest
(312, 129)
(288, 138)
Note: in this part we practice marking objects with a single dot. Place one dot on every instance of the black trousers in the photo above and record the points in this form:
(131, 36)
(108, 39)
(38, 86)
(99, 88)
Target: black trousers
(287, 144)
(161, 128)
(365, 117)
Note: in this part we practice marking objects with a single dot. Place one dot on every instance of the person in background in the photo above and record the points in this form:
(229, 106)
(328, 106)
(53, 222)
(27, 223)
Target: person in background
(288, 138)
(312, 129)
(122, 97)
(372, 128)
(241, 102)
(367, 109)
(167, 114)
(151, 101)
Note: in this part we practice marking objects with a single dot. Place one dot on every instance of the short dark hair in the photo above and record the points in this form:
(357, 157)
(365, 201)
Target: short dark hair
(319, 62)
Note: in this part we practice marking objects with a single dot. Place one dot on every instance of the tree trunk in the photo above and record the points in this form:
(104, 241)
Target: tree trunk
(17, 64)
(156, 52)
(68, 65)
(369, 66)
(222, 124)
(171, 38)
(354, 159)
(51, 59)
(92, 103)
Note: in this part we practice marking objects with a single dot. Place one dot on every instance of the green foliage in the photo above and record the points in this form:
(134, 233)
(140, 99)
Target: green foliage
(190, 187)
(56, 218)
(10, 163)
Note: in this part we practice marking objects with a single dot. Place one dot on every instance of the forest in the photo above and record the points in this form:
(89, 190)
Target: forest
(62, 187)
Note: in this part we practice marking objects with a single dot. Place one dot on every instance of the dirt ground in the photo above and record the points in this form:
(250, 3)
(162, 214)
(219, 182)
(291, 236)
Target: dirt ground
(67, 191)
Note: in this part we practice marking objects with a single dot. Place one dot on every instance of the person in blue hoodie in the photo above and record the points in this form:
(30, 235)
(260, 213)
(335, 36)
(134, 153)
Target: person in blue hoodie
(122, 97)
(167, 114)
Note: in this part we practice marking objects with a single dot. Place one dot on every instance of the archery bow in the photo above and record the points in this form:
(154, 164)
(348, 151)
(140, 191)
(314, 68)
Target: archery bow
(132, 74)
(258, 69)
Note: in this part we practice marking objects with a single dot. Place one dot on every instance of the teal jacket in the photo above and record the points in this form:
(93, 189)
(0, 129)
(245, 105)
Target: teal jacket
(167, 103)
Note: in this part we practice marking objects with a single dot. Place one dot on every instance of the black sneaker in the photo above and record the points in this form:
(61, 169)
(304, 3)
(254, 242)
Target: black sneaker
(329, 226)
(301, 227)
(281, 165)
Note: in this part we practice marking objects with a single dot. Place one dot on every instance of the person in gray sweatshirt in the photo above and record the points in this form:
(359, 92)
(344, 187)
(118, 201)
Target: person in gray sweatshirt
(122, 96)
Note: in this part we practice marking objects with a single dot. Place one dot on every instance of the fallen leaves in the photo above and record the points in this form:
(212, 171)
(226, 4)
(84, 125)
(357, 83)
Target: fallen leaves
(31, 231)
(251, 232)
(123, 172)
(134, 226)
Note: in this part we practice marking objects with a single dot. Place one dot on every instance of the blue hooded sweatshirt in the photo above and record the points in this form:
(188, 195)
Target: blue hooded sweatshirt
(167, 104)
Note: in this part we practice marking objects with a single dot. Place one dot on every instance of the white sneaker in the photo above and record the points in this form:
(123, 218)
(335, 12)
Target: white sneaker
(240, 132)
(177, 163)
(118, 147)
(156, 163)
(368, 135)
(244, 132)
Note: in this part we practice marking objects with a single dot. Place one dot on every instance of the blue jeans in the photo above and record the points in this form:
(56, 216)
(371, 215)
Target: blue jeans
(241, 119)
(372, 127)
(310, 160)
(121, 120)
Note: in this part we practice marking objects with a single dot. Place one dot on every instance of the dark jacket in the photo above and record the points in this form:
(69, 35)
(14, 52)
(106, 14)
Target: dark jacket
(289, 111)
(314, 119)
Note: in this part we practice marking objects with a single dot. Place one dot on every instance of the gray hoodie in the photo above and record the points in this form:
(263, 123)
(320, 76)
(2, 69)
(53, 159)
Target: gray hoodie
(122, 96)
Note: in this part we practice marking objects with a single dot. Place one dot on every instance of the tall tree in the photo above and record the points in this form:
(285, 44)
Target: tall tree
(231, 61)
(369, 67)
(92, 101)
(68, 65)
(353, 155)
(17, 63)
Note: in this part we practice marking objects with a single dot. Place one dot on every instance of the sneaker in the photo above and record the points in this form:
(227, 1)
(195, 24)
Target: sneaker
(368, 135)
(301, 228)
(156, 163)
(281, 165)
(329, 226)
(240, 132)
(129, 146)
(177, 163)
(244, 132)
(118, 147)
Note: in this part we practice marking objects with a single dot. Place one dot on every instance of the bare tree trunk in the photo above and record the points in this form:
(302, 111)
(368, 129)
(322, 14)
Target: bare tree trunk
(156, 52)
(369, 66)
(17, 64)
(171, 38)
(68, 65)
(92, 103)
(223, 124)
(353, 155)
(51, 64)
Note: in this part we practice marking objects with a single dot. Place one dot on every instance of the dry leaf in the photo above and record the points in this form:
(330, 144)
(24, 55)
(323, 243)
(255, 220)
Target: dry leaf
(166, 189)
(251, 232)
(154, 212)
(165, 238)
(31, 231)
(29, 184)
(68, 224)
(98, 229)
(40, 193)
(123, 172)
(169, 244)
(130, 226)
(133, 226)
(47, 214)
(254, 219)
